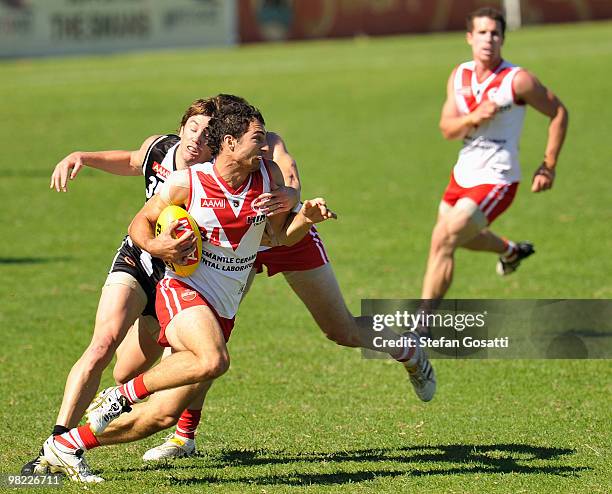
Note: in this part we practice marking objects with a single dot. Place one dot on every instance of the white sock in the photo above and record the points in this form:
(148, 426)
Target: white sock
(510, 251)
(411, 362)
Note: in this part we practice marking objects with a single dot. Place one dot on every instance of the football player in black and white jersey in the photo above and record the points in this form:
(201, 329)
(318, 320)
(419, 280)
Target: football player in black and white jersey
(128, 295)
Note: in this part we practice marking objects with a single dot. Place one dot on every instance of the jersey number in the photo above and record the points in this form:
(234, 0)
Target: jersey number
(153, 186)
(213, 238)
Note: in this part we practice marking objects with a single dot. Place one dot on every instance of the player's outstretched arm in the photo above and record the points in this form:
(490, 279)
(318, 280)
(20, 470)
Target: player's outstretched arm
(312, 211)
(127, 163)
(455, 125)
(279, 222)
(531, 91)
(142, 227)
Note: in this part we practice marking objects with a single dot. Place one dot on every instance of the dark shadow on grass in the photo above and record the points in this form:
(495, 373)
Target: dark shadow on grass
(32, 260)
(454, 459)
(294, 479)
(410, 454)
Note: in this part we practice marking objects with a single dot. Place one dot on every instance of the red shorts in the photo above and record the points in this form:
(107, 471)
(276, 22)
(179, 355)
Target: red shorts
(492, 199)
(308, 253)
(173, 296)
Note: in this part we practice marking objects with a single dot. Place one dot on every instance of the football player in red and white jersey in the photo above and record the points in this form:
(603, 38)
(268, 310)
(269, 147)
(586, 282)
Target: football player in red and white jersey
(307, 270)
(128, 295)
(485, 107)
(309, 273)
(196, 312)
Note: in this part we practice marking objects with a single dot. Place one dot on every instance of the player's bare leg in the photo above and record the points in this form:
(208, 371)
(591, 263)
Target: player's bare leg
(121, 301)
(201, 356)
(510, 253)
(119, 306)
(138, 351)
(454, 228)
(319, 291)
(161, 411)
(487, 241)
(181, 442)
(65, 453)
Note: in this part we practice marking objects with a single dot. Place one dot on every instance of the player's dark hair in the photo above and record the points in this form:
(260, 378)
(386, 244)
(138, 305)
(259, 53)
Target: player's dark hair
(491, 13)
(210, 106)
(232, 119)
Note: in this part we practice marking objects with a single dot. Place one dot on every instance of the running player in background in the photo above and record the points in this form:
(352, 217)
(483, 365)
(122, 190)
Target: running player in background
(485, 107)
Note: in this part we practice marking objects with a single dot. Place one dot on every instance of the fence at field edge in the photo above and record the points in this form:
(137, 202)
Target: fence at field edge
(58, 27)
(279, 20)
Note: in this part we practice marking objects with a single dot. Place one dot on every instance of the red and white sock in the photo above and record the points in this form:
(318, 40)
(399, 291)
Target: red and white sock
(510, 251)
(77, 438)
(187, 424)
(134, 390)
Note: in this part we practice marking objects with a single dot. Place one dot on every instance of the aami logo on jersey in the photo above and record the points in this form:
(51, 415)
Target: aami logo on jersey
(212, 203)
(160, 170)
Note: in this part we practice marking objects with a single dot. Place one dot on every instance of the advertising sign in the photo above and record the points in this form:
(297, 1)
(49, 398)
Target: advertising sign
(46, 27)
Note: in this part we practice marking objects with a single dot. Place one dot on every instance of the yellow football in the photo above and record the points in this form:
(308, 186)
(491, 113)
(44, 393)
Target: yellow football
(186, 224)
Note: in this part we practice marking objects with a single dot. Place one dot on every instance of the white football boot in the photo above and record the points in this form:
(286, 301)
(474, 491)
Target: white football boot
(105, 408)
(421, 374)
(73, 465)
(173, 447)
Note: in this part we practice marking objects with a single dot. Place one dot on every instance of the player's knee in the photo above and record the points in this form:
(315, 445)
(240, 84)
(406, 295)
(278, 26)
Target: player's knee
(212, 367)
(219, 366)
(343, 334)
(121, 374)
(446, 235)
(337, 337)
(440, 238)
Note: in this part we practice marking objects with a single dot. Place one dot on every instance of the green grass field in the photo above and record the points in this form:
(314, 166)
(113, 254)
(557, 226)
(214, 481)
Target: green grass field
(296, 413)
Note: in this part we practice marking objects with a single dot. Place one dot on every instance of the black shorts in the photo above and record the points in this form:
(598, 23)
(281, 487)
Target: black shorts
(141, 265)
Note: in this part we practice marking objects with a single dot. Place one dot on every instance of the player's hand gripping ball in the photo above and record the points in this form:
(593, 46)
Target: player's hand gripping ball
(186, 224)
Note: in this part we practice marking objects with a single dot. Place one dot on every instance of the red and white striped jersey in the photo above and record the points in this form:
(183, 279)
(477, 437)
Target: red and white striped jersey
(490, 151)
(231, 227)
